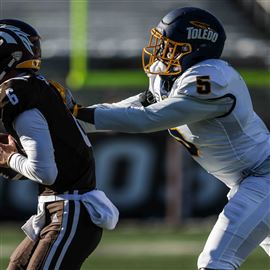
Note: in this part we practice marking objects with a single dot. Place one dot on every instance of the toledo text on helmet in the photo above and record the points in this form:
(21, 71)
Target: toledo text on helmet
(207, 34)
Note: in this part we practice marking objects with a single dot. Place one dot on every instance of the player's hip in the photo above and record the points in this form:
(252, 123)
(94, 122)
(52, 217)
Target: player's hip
(71, 233)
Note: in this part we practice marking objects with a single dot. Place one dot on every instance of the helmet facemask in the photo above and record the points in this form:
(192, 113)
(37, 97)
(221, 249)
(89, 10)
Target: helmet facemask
(166, 51)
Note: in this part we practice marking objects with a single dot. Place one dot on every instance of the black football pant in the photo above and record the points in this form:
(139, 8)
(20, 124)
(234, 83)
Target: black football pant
(68, 238)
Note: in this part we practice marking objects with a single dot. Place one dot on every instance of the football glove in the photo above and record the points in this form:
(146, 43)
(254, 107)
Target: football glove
(8, 147)
(147, 98)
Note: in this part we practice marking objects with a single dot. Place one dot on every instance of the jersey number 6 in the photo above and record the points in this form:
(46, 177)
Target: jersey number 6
(11, 96)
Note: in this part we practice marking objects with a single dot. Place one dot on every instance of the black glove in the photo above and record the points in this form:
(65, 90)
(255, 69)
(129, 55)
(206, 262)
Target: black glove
(147, 98)
(86, 115)
(8, 147)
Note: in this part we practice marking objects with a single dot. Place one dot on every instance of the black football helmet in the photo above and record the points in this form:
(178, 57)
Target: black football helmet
(19, 47)
(184, 37)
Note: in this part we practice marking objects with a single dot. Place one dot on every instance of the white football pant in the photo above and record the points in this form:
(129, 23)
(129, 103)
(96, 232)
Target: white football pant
(243, 225)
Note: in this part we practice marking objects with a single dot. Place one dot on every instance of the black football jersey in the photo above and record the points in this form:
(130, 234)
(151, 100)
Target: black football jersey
(73, 157)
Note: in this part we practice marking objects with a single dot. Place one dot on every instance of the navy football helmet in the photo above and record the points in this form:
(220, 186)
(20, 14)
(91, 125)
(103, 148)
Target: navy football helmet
(184, 37)
(19, 47)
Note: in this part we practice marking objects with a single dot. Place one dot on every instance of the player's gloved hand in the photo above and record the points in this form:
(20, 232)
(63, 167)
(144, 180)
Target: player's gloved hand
(7, 149)
(147, 98)
(67, 97)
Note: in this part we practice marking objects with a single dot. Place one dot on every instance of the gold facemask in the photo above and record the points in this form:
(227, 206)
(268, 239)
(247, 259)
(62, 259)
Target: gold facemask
(165, 50)
(30, 64)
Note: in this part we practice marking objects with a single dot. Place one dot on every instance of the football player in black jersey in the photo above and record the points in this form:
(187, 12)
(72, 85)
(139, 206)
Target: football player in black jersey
(52, 150)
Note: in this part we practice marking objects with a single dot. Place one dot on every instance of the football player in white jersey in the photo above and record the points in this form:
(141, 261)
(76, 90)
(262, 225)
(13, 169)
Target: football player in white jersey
(205, 104)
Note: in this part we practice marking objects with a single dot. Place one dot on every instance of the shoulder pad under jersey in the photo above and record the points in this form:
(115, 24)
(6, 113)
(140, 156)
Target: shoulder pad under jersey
(6, 87)
(205, 80)
(16, 96)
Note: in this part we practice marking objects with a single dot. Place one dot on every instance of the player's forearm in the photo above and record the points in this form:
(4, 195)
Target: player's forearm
(39, 163)
(134, 101)
(41, 174)
(86, 114)
(167, 114)
(117, 119)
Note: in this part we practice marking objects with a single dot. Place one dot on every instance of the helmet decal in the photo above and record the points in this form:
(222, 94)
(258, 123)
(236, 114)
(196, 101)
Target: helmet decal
(20, 34)
(7, 37)
(199, 33)
(200, 24)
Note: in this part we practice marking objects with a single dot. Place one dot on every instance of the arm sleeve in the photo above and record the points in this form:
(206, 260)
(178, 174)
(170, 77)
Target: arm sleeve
(39, 165)
(133, 101)
(168, 113)
(89, 127)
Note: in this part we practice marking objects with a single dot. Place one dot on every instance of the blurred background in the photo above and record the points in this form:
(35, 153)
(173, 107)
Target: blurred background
(94, 48)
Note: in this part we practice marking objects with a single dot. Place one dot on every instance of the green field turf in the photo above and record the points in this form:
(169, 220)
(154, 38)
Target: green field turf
(94, 79)
(140, 248)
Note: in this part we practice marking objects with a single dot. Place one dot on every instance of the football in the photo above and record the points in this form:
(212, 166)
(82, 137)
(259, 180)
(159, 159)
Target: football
(4, 138)
(8, 173)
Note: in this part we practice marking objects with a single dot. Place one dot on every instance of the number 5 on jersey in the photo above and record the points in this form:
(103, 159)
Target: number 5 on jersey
(203, 85)
(11, 96)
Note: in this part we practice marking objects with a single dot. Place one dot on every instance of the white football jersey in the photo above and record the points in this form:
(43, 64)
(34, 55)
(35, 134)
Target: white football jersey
(227, 145)
(208, 109)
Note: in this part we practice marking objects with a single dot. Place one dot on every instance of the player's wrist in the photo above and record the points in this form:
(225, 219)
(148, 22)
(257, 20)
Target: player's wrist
(9, 158)
(86, 115)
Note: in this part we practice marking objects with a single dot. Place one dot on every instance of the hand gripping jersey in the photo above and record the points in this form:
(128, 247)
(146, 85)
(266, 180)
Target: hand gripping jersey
(72, 150)
(208, 109)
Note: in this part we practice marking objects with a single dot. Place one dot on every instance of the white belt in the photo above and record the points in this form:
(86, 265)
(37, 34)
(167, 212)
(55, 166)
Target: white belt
(101, 210)
(60, 197)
